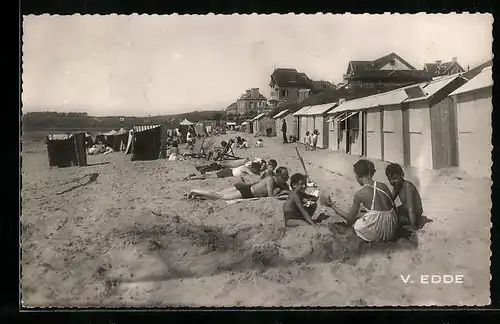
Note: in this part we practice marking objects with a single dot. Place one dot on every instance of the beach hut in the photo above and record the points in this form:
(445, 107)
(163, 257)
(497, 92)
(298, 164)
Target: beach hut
(66, 150)
(473, 107)
(429, 124)
(287, 116)
(369, 126)
(411, 125)
(144, 142)
(263, 125)
(312, 118)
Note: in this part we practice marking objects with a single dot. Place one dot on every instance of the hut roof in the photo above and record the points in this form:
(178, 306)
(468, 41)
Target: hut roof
(282, 113)
(259, 116)
(480, 81)
(59, 137)
(315, 110)
(142, 128)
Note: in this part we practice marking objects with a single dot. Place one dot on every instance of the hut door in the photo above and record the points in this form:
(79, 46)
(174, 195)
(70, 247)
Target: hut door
(406, 135)
(442, 137)
(348, 135)
(363, 117)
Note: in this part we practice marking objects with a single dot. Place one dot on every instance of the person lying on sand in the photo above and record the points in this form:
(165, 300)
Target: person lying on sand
(410, 212)
(269, 171)
(268, 187)
(253, 168)
(380, 222)
(299, 206)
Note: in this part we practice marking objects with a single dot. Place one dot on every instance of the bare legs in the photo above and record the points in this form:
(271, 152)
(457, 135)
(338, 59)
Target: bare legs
(226, 194)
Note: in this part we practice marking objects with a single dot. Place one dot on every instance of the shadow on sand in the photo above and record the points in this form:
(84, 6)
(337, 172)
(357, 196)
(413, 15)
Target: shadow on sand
(234, 252)
(98, 163)
(92, 177)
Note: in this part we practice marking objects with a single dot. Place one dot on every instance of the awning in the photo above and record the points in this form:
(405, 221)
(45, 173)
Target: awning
(332, 119)
(348, 115)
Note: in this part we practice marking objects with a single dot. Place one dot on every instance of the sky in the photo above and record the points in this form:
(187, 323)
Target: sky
(140, 65)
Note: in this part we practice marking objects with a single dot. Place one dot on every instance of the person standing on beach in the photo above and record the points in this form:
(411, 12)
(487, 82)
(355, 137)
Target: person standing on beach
(283, 130)
(307, 140)
(268, 187)
(315, 139)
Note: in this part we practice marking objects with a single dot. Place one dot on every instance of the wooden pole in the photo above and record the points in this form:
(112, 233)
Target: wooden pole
(302, 162)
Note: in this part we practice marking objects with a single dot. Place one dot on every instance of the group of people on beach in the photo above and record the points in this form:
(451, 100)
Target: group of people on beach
(373, 213)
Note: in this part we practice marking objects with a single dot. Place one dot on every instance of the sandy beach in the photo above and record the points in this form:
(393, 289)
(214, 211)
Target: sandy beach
(121, 233)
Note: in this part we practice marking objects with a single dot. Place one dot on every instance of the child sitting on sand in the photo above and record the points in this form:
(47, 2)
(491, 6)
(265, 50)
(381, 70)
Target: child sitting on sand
(269, 171)
(299, 206)
(259, 143)
(268, 187)
(174, 152)
(241, 142)
(410, 212)
(380, 222)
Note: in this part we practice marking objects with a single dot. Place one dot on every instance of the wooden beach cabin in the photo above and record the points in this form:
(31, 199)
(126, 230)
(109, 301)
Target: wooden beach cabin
(369, 126)
(261, 123)
(412, 126)
(473, 108)
(429, 121)
(314, 117)
(287, 116)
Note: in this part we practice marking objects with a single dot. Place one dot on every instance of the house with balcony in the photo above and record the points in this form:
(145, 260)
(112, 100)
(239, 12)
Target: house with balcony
(386, 73)
(439, 68)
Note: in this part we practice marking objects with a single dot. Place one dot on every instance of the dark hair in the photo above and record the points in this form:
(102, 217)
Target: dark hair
(280, 170)
(273, 163)
(223, 143)
(255, 166)
(364, 168)
(174, 144)
(307, 133)
(295, 178)
(394, 169)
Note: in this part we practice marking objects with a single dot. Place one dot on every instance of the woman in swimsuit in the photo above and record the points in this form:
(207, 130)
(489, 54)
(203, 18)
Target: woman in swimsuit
(250, 168)
(380, 222)
(268, 187)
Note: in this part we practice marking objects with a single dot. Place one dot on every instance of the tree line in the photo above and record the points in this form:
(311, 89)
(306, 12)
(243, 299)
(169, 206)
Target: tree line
(75, 120)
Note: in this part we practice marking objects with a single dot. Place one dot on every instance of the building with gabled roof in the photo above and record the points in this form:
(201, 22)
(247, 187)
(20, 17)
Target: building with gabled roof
(386, 73)
(440, 69)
